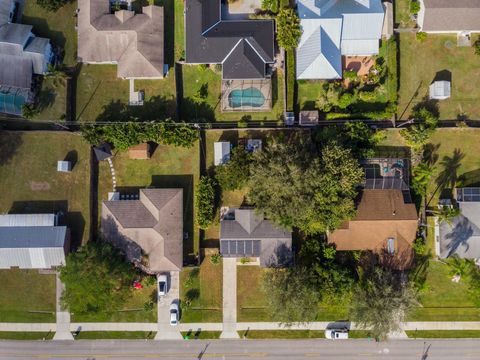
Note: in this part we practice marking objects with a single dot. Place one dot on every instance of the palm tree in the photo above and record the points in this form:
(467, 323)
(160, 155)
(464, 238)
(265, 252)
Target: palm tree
(460, 267)
(422, 174)
(447, 214)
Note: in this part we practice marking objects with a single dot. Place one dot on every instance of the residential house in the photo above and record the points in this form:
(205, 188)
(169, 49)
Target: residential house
(243, 233)
(244, 48)
(461, 236)
(22, 55)
(449, 16)
(148, 230)
(386, 221)
(132, 41)
(333, 29)
(32, 241)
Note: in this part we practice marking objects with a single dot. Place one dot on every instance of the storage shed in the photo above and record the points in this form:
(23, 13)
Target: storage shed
(139, 152)
(221, 152)
(439, 90)
(64, 166)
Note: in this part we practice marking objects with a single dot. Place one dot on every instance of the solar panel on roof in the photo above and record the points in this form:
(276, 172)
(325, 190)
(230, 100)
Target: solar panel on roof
(240, 248)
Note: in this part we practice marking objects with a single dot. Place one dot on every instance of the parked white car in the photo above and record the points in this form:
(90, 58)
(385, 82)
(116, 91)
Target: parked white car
(162, 285)
(336, 334)
(174, 314)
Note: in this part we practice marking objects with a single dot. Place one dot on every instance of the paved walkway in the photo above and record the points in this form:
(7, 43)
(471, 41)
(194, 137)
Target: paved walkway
(229, 330)
(62, 317)
(165, 331)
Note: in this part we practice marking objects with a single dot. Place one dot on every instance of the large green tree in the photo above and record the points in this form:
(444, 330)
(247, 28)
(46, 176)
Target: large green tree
(288, 28)
(381, 302)
(205, 202)
(297, 187)
(97, 279)
(235, 173)
(291, 297)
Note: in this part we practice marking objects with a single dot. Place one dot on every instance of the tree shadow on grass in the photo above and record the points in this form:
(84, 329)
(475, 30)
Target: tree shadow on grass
(9, 143)
(156, 108)
(195, 111)
(449, 174)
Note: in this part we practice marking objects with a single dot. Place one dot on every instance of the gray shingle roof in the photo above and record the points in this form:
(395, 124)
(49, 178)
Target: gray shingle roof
(210, 39)
(154, 223)
(15, 71)
(451, 15)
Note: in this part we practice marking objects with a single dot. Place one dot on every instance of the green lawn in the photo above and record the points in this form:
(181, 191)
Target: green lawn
(58, 26)
(196, 76)
(420, 62)
(52, 99)
(251, 301)
(443, 334)
(402, 14)
(203, 286)
(169, 166)
(102, 96)
(282, 334)
(443, 299)
(87, 335)
(133, 311)
(26, 296)
(29, 171)
(13, 335)
(193, 335)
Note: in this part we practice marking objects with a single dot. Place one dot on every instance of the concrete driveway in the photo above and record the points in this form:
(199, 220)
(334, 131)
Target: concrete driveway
(229, 299)
(165, 330)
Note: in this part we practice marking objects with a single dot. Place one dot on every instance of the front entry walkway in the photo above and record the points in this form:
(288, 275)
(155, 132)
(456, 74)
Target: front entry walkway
(229, 299)
(63, 317)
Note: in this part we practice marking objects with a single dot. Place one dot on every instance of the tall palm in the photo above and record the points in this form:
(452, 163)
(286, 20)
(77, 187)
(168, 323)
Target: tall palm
(422, 174)
(447, 214)
(460, 267)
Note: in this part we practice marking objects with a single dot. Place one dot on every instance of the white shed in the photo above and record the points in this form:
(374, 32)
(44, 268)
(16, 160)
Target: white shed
(221, 152)
(439, 90)
(64, 166)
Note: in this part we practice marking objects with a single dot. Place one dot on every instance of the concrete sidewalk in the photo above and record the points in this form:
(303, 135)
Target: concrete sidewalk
(62, 316)
(45, 327)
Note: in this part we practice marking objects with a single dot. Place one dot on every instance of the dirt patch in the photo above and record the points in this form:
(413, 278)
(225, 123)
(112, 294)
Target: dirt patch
(360, 64)
(39, 186)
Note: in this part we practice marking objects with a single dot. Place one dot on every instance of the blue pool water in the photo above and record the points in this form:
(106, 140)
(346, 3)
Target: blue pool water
(251, 97)
(11, 103)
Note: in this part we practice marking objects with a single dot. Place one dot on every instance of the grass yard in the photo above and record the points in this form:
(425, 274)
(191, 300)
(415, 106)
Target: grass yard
(14, 335)
(26, 296)
(251, 301)
(169, 166)
(202, 286)
(443, 334)
(29, 171)
(402, 14)
(102, 96)
(133, 311)
(52, 99)
(282, 334)
(47, 24)
(194, 335)
(209, 110)
(87, 335)
(422, 62)
(443, 299)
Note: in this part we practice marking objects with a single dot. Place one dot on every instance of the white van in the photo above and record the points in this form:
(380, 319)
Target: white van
(336, 334)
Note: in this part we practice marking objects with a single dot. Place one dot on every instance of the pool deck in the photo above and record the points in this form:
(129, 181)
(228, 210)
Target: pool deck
(264, 85)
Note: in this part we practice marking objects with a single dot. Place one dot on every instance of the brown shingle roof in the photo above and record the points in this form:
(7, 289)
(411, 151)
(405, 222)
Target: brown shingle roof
(140, 151)
(381, 214)
(154, 223)
(133, 41)
(451, 15)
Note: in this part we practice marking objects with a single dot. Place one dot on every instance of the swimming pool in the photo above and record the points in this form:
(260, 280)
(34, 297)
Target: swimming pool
(11, 103)
(250, 97)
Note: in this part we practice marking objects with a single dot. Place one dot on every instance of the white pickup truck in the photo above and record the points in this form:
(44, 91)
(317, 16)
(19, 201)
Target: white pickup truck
(336, 334)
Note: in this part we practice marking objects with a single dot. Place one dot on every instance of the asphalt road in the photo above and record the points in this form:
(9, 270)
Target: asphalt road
(242, 349)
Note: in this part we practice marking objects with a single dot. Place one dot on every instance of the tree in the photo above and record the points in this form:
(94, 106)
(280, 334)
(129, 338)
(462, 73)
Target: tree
(97, 279)
(295, 186)
(288, 28)
(290, 297)
(205, 202)
(416, 135)
(52, 5)
(460, 267)
(422, 175)
(414, 7)
(447, 214)
(426, 116)
(270, 5)
(421, 36)
(235, 173)
(381, 303)
(476, 46)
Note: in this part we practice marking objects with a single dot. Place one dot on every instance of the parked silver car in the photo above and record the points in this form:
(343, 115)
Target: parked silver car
(174, 315)
(162, 285)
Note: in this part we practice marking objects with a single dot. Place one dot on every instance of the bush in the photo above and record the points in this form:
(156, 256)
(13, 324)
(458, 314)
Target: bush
(244, 260)
(149, 280)
(52, 5)
(288, 28)
(476, 46)
(414, 7)
(421, 36)
(419, 246)
(270, 5)
(350, 74)
(243, 123)
(205, 202)
(215, 259)
(346, 100)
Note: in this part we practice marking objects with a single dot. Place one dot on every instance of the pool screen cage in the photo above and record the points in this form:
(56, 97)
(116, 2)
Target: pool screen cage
(12, 99)
(247, 95)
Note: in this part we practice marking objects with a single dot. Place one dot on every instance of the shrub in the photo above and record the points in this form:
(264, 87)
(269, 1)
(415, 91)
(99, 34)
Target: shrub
(419, 246)
(270, 5)
(52, 5)
(414, 7)
(476, 46)
(428, 117)
(244, 260)
(290, 80)
(350, 74)
(367, 96)
(243, 123)
(149, 280)
(205, 202)
(203, 67)
(421, 36)
(288, 28)
(346, 100)
(215, 259)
